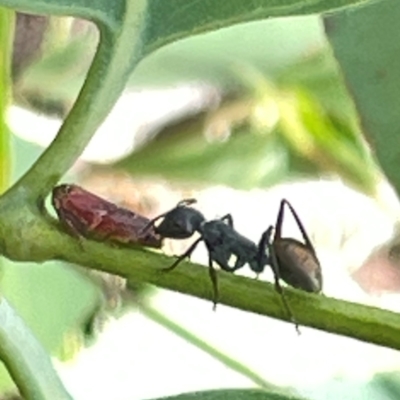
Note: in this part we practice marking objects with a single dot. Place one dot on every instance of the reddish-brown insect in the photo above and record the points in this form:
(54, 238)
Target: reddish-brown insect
(87, 215)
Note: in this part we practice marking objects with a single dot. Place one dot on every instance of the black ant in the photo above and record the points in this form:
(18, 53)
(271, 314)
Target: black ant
(292, 261)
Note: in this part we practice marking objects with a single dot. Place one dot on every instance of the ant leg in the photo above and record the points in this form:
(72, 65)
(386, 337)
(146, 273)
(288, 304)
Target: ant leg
(308, 243)
(213, 276)
(228, 218)
(263, 259)
(187, 253)
(151, 223)
(224, 265)
(274, 263)
(265, 242)
(300, 225)
(279, 220)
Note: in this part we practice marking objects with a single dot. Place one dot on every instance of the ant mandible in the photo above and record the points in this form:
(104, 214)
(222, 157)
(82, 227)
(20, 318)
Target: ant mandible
(294, 262)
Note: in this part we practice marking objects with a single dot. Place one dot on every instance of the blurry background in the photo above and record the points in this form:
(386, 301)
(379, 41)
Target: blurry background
(239, 119)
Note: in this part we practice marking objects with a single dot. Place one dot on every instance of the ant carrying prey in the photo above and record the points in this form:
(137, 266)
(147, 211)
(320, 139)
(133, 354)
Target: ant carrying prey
(294, 262)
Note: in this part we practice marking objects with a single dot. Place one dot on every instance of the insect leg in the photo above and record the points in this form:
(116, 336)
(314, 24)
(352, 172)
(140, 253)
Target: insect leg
(265, 242)
(187, 253)
(299, 224)
(151, 223)
(308, 243)
(264, 259)
(228, 218)
(213, 276)
(223, 263)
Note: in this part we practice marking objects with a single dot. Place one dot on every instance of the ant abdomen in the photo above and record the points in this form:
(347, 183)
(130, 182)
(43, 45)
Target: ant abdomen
(298, 266)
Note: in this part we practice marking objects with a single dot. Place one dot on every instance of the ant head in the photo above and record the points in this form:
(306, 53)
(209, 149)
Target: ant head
(181, 222)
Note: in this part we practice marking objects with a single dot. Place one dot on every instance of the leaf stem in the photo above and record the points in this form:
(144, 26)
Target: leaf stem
(119, 50)
(366, 323)
(27, 362)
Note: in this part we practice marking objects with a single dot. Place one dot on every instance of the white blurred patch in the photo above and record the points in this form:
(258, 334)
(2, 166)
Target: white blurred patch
(135, 119)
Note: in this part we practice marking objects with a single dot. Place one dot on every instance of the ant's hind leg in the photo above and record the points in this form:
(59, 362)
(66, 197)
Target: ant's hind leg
(278, 287)
(300, 225)
(186, 254)
(265, 243)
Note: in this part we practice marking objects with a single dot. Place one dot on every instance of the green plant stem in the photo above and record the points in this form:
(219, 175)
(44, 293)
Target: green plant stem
(188, 336)
(365, 323)
(117, 53)
(27, 362)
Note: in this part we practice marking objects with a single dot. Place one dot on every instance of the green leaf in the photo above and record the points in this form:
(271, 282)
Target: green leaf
(233, 394)
(171, 20)
(175, 19)
(269, 45)
(99, 10)
(366, 43)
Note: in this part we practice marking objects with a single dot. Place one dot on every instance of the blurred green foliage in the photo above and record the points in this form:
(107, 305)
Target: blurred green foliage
(6, 27)
(309, 136)
(53, 299)
(366, 45)
(276, 68)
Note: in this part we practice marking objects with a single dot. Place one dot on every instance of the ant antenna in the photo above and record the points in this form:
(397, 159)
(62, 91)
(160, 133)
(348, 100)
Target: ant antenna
(152, 222)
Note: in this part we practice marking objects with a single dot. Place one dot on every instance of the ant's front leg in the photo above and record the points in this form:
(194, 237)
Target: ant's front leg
(150, 224)
(239, 263)
(213, 276)
(187, 253)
